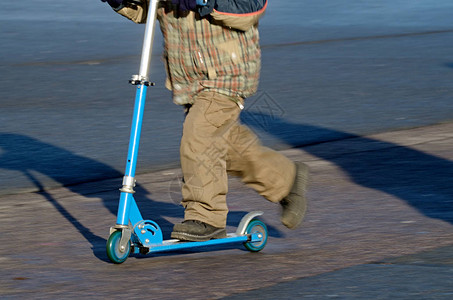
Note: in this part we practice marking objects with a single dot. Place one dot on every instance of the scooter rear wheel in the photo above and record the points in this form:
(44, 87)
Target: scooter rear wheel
(114, 253)
(258, 227)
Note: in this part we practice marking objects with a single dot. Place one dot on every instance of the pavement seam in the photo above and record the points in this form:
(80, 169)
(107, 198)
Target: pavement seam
(263, 46)
(359, 38)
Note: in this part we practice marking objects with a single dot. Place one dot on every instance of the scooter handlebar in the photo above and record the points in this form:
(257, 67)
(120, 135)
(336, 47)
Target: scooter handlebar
(138, 2)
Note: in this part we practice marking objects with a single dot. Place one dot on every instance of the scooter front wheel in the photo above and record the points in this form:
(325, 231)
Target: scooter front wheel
(256, 227)
(114, 251)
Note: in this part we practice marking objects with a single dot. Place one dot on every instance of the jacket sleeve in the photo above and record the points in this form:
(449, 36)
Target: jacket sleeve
(135, 11)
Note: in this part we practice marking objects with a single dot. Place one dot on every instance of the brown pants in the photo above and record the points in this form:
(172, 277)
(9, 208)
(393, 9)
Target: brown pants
(213, 143)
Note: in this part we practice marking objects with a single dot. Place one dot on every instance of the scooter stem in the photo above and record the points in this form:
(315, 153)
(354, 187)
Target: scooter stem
(148, 40)
(142, 82)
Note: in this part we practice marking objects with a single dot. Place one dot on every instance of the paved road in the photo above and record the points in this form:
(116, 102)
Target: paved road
(379, 226)
(425, 275)
(339, 68)
(339, 79)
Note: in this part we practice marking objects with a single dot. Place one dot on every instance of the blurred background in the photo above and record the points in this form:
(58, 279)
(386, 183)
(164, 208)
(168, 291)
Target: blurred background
(336, 68)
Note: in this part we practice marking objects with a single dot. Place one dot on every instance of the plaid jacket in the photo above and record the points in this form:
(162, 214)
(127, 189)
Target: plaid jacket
(201, 55)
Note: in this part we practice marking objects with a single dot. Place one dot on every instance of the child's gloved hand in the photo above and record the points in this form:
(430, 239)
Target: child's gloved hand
(185, 4)
(114, 3)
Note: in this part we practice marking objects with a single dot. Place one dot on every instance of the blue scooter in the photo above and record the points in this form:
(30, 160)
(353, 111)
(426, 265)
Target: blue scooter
(133, 234)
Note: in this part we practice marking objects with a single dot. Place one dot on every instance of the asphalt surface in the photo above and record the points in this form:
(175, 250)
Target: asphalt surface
(338, 69)
(379, 226)
(359, 90)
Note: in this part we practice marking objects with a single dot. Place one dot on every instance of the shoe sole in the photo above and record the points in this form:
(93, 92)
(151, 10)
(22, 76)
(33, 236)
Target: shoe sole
(184, 236)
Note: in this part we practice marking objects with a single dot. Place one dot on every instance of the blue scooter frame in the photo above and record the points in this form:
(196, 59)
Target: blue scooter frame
(133, 234)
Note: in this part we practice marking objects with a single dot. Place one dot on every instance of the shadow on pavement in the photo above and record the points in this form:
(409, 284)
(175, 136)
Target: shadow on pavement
(420, 179)
(31, 156)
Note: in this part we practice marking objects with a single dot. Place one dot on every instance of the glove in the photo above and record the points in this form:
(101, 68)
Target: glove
(114, 3)
(185, 5)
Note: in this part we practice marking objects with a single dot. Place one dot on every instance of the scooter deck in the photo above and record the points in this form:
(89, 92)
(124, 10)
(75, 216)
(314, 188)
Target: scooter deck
(172, 245)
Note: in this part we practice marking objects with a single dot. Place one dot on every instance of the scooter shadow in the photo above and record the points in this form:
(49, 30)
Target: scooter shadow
(30, 156)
